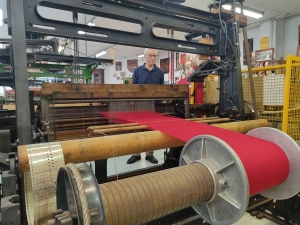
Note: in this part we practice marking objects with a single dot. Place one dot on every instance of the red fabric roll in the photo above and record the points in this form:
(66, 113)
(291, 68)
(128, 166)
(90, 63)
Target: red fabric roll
(265, 163)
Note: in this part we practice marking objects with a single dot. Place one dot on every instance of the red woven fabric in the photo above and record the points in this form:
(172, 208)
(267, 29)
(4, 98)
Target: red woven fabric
(265, 163)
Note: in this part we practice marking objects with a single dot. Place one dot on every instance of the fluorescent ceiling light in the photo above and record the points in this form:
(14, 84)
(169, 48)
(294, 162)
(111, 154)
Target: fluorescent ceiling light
(101, 53)
(91, 23)
(140, 56)
(246, 12)
(81, 32)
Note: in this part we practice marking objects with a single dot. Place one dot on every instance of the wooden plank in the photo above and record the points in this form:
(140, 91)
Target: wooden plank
(50, 88)
(119, 95)
(228, 16)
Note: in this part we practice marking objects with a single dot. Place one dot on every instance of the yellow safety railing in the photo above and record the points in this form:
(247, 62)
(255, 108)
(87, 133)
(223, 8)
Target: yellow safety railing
(277, 90)
(291, 107)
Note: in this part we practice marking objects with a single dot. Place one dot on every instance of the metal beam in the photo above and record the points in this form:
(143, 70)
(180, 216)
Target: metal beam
(20, 69)
(69, 59)
(147, 18)
(35, 42)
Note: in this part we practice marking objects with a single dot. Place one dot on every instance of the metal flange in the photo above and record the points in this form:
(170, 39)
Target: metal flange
(78, 192)
(231, 187)
(291, 186)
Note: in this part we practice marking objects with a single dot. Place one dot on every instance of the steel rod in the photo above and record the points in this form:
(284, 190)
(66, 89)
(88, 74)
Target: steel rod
(213, 121)
(120, 129)
(113, 126)
(206, 118)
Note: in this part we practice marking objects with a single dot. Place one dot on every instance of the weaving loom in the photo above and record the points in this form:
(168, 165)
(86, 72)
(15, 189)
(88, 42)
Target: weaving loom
(99, 202)
(124, 113)
(68, 109)
(218, 172)
(220, 176)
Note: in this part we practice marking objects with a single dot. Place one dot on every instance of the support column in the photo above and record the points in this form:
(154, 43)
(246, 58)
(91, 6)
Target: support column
(20, 70)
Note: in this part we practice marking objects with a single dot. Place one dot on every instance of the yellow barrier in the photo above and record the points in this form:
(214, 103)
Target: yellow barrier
(291, 107)
(277, 91)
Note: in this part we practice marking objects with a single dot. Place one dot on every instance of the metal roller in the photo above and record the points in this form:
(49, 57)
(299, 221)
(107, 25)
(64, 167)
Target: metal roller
(36, 158)
(211, 179)
(90, 149)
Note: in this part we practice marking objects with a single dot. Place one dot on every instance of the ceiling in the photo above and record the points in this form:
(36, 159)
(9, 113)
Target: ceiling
(271, 9)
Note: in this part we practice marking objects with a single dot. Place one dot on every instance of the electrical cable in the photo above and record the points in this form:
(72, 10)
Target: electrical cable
(224, 27)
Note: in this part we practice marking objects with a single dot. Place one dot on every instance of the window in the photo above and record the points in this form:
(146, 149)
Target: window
(1, 17)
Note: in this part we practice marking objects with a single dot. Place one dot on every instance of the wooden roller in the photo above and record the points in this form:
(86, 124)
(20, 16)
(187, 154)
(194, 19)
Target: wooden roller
(90, 149)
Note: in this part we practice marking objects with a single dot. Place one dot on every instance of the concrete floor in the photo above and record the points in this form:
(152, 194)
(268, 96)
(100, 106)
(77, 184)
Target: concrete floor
(118, 165)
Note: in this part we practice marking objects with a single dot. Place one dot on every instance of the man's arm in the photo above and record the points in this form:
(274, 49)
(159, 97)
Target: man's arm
(134, 77)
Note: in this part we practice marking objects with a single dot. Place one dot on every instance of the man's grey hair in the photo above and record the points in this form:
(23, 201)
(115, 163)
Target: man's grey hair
(147, 49)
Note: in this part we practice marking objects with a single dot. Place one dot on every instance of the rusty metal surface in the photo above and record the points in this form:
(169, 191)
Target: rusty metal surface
(143, 198)
(50, 88)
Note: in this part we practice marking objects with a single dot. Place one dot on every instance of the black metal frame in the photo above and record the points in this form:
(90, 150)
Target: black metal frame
(32, 58)
(148, 14)
(20, 70)
(35, 42)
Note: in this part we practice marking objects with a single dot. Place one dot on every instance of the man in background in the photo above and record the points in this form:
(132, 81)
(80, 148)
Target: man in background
(148, 73)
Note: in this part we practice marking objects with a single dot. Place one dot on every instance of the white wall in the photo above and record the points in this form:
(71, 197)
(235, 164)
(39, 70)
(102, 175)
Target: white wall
(252, 32)
(3, 30)
(168, 75)
(280, 48)
(291, 34)
(283, 36)
(109, 71)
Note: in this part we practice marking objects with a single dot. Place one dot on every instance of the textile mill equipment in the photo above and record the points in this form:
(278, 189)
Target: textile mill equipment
(216, 176)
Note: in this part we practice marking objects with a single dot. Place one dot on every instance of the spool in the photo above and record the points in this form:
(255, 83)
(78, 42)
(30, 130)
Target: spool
(130, 201)
(228, 196)
(290, 186)
(257, 155)
(233, 190)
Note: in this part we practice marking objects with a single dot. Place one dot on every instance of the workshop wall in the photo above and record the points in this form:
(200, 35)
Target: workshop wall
(177, 73)
(252, 32)
(291, 34)
(3, 26)
(112, 75)
(283, 36)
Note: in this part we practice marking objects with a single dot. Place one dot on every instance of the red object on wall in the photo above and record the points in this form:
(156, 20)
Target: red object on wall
(172, 68)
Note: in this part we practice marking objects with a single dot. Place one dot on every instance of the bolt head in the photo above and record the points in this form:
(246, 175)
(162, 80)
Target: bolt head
(224, 183)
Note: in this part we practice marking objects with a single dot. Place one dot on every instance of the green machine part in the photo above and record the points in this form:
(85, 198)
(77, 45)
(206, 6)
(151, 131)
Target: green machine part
(39, 70)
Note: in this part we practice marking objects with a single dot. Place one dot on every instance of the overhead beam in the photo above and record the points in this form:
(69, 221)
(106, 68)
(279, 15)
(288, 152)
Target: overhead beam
(147, 18)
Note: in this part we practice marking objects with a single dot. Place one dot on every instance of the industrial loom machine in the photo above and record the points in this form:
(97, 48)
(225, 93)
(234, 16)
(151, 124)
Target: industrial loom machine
(223, 169)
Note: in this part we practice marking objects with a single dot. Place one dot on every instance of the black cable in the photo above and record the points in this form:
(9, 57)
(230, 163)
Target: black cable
(220, 66)
(224, 27)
